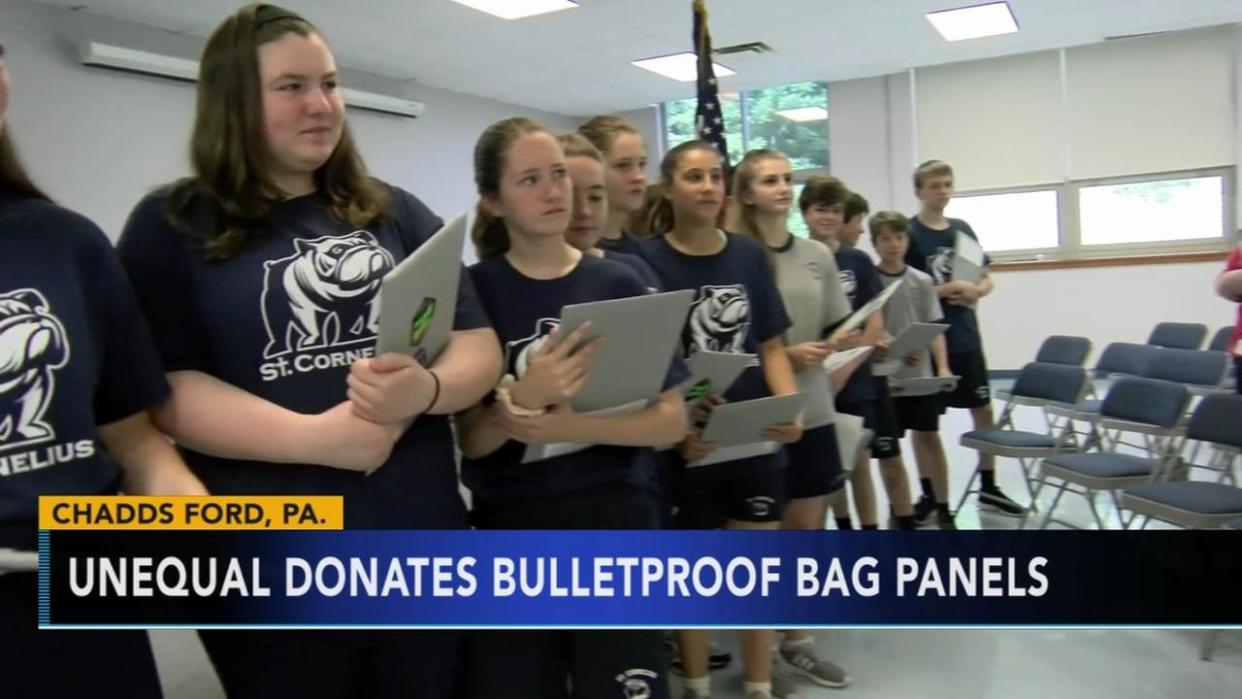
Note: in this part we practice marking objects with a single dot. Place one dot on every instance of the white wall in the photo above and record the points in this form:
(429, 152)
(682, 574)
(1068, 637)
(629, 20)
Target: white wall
(1105, 304)
(877, 136)
(97, 140)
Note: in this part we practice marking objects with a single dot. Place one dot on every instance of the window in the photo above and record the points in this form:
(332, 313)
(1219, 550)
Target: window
(679, 123)
(1151, 212)
(796, 225)
(1011, 220)
(790, 118)
(1181, 211)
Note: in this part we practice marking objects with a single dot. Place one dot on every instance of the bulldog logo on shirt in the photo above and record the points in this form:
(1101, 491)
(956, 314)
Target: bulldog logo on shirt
(940, 265)
(519, 352)
(849, 283)
(636, 683)
(323, 294)
(719, 320)
(33, 345)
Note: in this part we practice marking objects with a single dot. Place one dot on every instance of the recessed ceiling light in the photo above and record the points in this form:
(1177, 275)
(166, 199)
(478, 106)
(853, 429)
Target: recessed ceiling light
(683, 67)
(517, 9)
(974, 22)
(804, 114)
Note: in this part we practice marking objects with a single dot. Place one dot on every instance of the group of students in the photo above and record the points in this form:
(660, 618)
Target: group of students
(237, 313)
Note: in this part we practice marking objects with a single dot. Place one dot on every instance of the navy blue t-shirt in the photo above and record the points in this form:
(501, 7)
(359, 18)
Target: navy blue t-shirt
(627, 244)
(736, 306)
(74, 353)
(861, 283)
(284, 320)
(524, 311)
(640, 267)
(931, 251)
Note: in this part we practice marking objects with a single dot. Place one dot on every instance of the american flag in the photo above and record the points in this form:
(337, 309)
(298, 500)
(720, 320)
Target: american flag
(708, 119)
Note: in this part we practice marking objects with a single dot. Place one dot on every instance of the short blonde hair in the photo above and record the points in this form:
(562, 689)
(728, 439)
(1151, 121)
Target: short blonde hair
(931, 168)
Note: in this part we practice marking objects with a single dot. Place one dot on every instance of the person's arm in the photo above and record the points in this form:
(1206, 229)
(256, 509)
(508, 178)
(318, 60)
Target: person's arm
(479, 431)
(662, 422)
(554, 374)
(805, 355)
(1229, 285)
(940, 355)
(150, 464)
(985, 285)
(780, 379)
(953, 290)
(213, 417)
(777, 372)
(393, 387)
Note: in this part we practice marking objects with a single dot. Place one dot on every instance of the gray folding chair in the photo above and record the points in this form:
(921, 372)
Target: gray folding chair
(1144, 407)
(1119, 359)
(1220, 341)
(1201, 371)
(1178, 335)
(1070, 350)
(1064, 349)
(1217, 422)
(1038, 385)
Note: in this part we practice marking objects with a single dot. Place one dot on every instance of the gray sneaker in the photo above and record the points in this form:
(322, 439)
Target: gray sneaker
(782, 686)
(805, 661)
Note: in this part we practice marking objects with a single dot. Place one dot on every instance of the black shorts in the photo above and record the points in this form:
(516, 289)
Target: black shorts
(1237, 377)
(920, 413)
(606, 506)
(537, 664)
(814, 464)
(973, 390)
(325, 664)
(746, 490)
(880, 417)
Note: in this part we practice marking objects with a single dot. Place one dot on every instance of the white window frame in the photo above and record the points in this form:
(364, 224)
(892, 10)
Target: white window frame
(1069, 224)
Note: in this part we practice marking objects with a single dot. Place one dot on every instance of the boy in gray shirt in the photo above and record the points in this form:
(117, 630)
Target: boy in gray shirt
(916, 302)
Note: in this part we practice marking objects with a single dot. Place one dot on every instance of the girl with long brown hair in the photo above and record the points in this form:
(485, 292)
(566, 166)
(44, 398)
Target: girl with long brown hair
(259, 274)
(526, 274)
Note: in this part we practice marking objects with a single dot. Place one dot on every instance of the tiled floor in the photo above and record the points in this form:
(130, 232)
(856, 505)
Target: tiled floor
(932, 664)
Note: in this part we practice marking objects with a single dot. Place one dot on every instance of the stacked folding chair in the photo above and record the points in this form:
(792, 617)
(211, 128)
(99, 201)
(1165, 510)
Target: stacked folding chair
(1178, 335)
(1042, 386)
(1146, 408)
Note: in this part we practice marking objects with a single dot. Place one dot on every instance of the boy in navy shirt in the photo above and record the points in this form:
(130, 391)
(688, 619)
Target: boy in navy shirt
(862, 395)
(932, 243)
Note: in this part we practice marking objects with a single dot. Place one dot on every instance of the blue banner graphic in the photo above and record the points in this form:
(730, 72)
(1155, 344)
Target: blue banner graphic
(655, 579)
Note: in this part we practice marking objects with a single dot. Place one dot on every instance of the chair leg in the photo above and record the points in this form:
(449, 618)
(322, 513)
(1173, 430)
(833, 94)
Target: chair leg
(1121, 516)
(1208, 645)
(1053, 507)
(1026, 477)
(970, 488)
(1146, 521)
(1090, 496)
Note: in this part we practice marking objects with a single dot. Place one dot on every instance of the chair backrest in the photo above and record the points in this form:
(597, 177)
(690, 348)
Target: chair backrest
(1149, 401)
(1178, 335)
(1125, 358)
(1218, 419)
(1220, 341)
(1064, 349)
(1195, 367)
(1051, 382)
